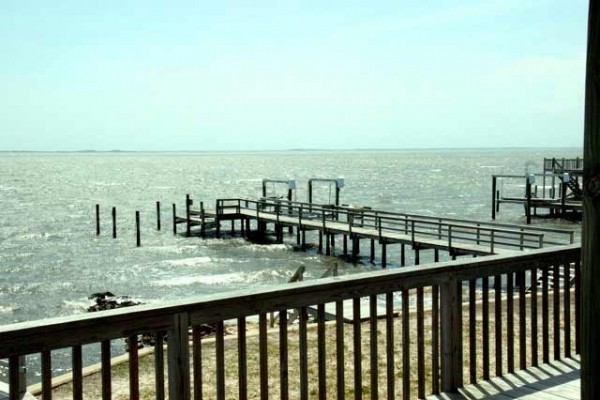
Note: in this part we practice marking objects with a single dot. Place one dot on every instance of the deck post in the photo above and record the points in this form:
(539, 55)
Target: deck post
(494, 178)
(17, 377)
(451, 335)
(590, 279)
(114, 222)
(179, 358)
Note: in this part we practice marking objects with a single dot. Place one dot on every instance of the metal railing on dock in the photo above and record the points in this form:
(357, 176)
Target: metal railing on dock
(413, 347)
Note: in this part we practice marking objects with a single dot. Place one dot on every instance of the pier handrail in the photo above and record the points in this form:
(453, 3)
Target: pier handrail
(445, 283)
(522, 237)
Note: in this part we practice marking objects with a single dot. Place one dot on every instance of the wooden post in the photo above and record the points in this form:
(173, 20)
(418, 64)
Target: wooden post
(528, 204)
(188, 203)
(202, 220)
(174, 219)
(494, 197)
(383, 255)
(97, 219)
(590, 279)
(563, 199)
(372, 250)
(158, 215)
(451, 334)
(179, 358)
(17, 377)
(114, 222)
(137, 229)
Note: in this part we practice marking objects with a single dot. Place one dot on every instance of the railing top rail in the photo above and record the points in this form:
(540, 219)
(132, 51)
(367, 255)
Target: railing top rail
(35, 336)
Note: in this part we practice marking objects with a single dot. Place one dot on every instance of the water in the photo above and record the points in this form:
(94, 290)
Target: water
(51, 259)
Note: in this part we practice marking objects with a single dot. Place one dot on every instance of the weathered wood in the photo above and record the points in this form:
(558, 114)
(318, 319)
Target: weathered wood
(138, 241)
(545, 321)
(46, 366)
(556, 309)
(420, 345)
(159, 365)
(374, 350)
(114, 222)
(534, 318)
(389, 340)
(174, 219)
(220, 355)
(510, 323)
(188, 226)
(283, 357)
(303, 356)
(263, 350)
(494, 184)
(356, 330)
(498, 323)
(472, 332)
(106, 370)
(134, 371)
(158, 216)
(522, 322)
(451, 327)
(435, 339)
(77, 365)
(485, 326)
(97, 219)
(567, 309)
(321, 352)
(405, 346)
(178, 357)
(339, 347)
(197, 361)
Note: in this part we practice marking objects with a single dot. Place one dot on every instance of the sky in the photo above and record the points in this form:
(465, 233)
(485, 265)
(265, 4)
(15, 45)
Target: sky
(275, 75)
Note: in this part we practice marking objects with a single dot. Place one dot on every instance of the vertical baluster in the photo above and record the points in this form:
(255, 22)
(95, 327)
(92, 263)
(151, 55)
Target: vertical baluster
(46, 375)
(420, 345)
(106, 370)
(556, 309)
(522, 322)
(405, 346)
(243, 357)
(435, 339)
(17, 379)
(159, 365)
(357, 348)
(220, 358)
(567, 310)
(498, 322)
(578, 307)
(374, 350)
(78, 373)
(534, 318)
(263, 355)
(510, 323)
(389, 339)
(339, 344)
(303, 348)
(472, 332)
(321, 350)
(197, 361)
(545, 317)
(485, 326)
(134, 379)
(283, 356)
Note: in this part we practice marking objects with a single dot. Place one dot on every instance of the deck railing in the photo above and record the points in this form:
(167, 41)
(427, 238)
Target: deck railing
(423, 329)
(447, 229)
(563, 164)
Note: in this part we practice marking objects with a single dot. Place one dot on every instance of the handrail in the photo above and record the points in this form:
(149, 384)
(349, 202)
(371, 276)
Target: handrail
(445, 281)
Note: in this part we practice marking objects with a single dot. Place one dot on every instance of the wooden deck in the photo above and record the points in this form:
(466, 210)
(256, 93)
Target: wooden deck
(559, 380)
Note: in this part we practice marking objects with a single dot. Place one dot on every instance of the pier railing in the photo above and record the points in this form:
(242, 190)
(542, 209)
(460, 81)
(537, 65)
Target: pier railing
(412, 225)
(400, 333)
(563, 164)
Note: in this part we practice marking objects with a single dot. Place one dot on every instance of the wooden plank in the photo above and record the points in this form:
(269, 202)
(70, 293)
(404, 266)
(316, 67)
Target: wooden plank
(567, 308)
(242, 350)
(178, 357)
(522, 322)
(510, 323)
(283, 356)
(339, 345)
(357, 347)
(197, 361)
(485, 327)
(472, 332)
(220, 357)
(498, 323)
(374, 366)
(420, 345)
(556, 310)
(321, 352)
(389, 339)
(435, 339)
(534, 318)
(263, 350)
(405, 346)
(545, 321)
(303, 356)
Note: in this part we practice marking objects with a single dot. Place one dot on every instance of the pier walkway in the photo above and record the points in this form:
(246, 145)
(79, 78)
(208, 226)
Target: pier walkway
(420, 232)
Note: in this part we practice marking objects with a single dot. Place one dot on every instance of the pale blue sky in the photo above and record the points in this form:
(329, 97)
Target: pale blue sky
(267, 75)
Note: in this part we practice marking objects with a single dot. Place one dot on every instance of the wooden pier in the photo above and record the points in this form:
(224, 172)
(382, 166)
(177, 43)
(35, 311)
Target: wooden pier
(329, 225)
(558, 189)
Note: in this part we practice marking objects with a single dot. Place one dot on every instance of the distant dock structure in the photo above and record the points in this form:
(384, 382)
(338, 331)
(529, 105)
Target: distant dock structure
(558, 189)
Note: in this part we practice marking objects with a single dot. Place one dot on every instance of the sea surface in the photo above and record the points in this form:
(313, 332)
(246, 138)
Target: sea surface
(51, 260)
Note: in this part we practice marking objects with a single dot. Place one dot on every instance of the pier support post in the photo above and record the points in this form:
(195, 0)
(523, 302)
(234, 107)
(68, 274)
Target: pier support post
(383, 255)
(158, 215)
(174, 219)
(327, 245)
(528, 204)
(417, 256)
(372, 250)
(345, 245)
(97, 219)
(321, 242)
(137, 229)
(188, 203)
(494, 179)
(355, 247)
(114, 222)
(303, 239)
(298, 237)
(403, 255)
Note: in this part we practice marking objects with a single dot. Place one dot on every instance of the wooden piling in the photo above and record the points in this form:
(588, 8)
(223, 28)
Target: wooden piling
(174, 219)
(372, 250)
(158, 215)
(97, 219)
(494, 179)
(528, 204)
(202, 220)
(188, 203)
(114, 222)
(383, 255)
(137, 229)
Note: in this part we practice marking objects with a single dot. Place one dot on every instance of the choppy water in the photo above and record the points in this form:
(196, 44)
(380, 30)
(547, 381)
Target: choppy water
(51, 259)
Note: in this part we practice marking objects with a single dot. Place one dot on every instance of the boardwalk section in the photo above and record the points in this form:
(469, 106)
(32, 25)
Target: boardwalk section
(559, 380)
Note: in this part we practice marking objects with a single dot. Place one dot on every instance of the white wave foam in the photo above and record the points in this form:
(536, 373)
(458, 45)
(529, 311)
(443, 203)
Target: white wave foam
(201, 279)
(189, 262)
